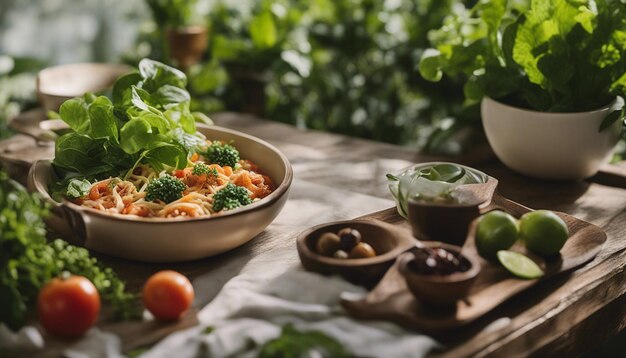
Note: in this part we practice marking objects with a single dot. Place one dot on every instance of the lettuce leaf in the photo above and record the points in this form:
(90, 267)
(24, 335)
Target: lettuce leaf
(147, 121)
(547, 55)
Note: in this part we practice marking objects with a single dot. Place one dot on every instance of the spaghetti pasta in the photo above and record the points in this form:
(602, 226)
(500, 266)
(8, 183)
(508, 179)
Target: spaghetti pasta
(127, 196)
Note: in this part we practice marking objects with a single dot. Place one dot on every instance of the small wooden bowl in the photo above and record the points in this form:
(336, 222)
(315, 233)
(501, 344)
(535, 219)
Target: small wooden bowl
(57, 84)
(439, 290)
(449, 223)
(387, 241)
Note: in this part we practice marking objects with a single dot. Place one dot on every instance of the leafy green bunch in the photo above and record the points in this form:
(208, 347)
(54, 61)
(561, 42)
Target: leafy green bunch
(548, 55)
(27, 262)
(147, 121)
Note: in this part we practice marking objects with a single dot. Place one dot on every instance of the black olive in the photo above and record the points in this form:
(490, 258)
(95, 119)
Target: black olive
(430, 261)
(349, 238)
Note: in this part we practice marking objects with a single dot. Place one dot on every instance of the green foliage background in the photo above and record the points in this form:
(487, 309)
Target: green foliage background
(346, 66)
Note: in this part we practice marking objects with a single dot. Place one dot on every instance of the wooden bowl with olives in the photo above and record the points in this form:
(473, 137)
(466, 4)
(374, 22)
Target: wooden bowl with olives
(439, 274)
(361, 251)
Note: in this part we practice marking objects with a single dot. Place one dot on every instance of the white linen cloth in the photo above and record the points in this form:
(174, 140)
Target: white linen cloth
(270, 290)
(252, 308)
(273, 289)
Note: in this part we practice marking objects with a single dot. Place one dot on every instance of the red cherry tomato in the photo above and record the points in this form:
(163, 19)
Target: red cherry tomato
(68, 306)
(167, 295)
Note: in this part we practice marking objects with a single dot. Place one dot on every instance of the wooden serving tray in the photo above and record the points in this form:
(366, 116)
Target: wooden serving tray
(392, 301)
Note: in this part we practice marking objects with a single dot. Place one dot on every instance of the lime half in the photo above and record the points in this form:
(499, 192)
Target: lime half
(519, 265)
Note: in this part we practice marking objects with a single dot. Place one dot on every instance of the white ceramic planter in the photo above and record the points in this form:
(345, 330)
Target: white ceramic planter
(558, 146)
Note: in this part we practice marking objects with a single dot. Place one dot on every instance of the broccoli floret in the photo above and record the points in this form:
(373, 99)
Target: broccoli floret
(223, 154)
(232, 196)
(201, 169)
(166, 188)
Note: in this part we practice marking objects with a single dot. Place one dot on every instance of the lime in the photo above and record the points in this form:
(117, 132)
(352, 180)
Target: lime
(496, 231)
(519, 265)
(543, 231)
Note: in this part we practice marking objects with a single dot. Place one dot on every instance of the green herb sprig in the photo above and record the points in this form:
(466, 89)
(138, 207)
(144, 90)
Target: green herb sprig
(27, 262)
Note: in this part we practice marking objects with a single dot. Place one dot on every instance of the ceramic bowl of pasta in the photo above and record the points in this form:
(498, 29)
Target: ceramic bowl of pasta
(169, 215)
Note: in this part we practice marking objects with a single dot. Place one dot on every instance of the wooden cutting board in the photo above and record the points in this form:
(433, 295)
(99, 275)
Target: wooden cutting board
(392, 301)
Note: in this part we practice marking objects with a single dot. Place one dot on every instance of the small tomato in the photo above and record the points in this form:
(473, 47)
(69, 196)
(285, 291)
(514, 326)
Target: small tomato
(167, 295)
(68, 306)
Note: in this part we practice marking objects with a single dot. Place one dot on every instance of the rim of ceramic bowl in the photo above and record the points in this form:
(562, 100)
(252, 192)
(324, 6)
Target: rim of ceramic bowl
(406, 258)
(269, 200)
(480, 205)
(429, 204)
(303, 238)
(118, 68)
(604, 108)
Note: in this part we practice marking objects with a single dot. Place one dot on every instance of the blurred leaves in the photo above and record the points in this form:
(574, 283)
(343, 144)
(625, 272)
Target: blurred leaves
(17, 88)
(173, 13)
(347, 66)
(263, 30)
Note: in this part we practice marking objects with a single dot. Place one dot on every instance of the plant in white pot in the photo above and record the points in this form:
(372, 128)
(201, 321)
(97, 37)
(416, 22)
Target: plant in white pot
(549, 75)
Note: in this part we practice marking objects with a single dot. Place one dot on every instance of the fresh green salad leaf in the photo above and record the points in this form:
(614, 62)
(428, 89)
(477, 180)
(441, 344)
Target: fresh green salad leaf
(548, 55)
(295, 344)
(148, 121)
(27, 261)
(77, 188)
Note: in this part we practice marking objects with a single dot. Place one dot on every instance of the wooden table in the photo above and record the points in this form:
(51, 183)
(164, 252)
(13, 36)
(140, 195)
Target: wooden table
(568, 315)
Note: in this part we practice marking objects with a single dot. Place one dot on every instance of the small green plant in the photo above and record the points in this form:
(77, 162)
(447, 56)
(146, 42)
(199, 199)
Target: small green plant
(231, 197)
(173, 13)
(166, 189)
(548, 55)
